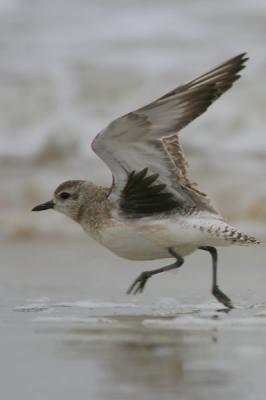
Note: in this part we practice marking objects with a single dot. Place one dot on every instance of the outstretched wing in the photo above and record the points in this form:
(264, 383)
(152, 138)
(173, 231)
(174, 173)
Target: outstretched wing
(138, 141)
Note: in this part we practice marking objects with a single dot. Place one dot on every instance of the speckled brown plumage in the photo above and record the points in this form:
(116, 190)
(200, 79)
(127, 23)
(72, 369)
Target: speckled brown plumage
(176, 153)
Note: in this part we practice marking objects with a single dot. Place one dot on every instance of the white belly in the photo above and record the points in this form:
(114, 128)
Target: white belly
(142, 244)
(149, 240)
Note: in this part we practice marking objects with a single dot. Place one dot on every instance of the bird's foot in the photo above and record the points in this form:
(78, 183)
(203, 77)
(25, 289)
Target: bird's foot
(220, 296)
(139, 284)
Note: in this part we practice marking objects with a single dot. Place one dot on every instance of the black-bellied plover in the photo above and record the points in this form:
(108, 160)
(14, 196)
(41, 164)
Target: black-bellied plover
(152, 210)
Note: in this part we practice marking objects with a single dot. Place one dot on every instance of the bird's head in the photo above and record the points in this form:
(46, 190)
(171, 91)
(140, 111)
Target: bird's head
(69, 198)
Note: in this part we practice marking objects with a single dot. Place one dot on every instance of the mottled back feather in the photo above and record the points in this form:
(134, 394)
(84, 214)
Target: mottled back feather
(176, 153)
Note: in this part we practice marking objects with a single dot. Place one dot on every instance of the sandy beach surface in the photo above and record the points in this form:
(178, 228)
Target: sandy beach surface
(69, 331)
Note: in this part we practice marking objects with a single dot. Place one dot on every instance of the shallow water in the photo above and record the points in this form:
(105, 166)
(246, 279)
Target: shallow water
(68, 330)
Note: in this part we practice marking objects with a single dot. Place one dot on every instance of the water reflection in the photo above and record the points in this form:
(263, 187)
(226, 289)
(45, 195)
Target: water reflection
(131, 360)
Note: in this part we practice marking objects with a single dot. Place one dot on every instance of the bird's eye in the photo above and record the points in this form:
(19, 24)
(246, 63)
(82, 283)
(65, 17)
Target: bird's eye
(64, 195)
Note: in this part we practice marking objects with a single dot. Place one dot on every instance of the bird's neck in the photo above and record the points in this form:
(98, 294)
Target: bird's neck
(95, 210)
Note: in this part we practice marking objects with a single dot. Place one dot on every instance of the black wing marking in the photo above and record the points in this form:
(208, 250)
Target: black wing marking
(142, 196)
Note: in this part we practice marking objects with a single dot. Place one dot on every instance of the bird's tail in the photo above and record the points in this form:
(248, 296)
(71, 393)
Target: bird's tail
(233, 235)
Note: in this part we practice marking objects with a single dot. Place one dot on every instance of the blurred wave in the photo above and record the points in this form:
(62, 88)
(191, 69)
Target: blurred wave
(68, 68)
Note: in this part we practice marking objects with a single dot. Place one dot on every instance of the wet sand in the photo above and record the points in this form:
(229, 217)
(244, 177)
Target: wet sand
(69, 331)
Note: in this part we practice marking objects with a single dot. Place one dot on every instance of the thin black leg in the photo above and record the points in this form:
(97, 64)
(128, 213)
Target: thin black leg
(139, 284)
(220, 296)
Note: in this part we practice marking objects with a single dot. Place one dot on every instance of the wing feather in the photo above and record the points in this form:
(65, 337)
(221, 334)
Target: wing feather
(176, 153)
(136, 141)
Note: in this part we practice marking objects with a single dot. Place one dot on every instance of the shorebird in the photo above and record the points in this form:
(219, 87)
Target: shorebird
(152, 210)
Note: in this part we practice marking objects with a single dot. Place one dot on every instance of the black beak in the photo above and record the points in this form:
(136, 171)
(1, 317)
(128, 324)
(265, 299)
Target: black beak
(44, 206)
